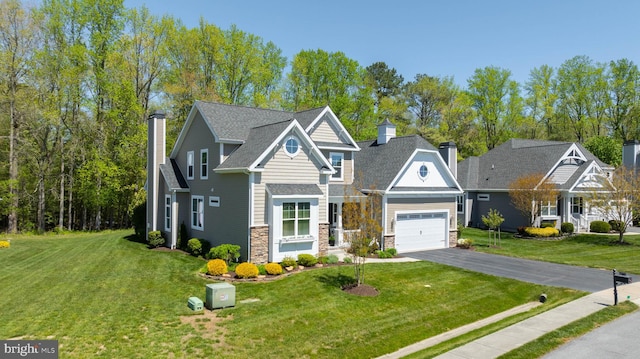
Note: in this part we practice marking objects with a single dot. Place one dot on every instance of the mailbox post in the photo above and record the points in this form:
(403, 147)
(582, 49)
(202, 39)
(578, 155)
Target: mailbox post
(619, 278)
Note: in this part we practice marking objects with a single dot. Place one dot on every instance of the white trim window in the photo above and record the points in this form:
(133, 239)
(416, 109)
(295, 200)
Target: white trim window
(549, 208)
(190, 169)
(204, 163)
(197, 212)
(167, 213)
(577, 205)
(296, 219)
(291, 146)
(460, 203)
(337, 160)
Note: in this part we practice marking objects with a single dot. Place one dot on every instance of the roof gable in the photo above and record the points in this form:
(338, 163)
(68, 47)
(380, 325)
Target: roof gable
(263, 141)
(436, 175)
(515, 158)
(328, 131)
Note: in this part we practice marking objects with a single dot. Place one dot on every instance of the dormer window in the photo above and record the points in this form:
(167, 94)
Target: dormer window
(336, 162)
(291, 146)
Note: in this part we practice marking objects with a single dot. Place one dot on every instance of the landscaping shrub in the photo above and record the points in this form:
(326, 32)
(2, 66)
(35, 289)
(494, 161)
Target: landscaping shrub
(261, 269)
(307, 260)
(195, 246)
(392, 251)
(226, 252)
(599, 227)
(205, 245)
(5, 244)
(347, 260)
(288, 262)
(273, 268)
(465, 243)
(615, 225)
(217, 267)
(541, 232)
(521, 230)
(247, 270)
(332, 259)
(383, 254)
(566, 227)
(547, 225)
(155, 239)
(139, 221)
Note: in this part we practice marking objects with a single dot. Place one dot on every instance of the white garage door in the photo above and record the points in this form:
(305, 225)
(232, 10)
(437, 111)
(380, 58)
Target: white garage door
(421, 231)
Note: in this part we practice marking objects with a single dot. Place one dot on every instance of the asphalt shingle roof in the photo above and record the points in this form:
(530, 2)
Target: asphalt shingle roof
(499, 167)
(173, 176)
(284, 189)
(377, 165)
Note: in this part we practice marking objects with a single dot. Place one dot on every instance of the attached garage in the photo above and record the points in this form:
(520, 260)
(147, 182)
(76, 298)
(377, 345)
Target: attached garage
(421, 231)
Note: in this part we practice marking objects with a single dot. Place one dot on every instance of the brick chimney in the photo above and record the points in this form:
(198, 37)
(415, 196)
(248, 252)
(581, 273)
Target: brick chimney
(156, 156)
(386, 131)
(449, 153)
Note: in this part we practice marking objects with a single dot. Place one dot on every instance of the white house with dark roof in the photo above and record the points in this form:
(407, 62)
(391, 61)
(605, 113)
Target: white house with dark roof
(273, 182)
(574, 170)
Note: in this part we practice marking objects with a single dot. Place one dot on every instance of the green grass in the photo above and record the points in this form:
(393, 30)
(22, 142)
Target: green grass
(101, 295)
(586, 250)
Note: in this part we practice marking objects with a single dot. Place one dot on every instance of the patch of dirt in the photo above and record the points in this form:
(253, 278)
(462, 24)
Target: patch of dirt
(363, 290)
(207, 326)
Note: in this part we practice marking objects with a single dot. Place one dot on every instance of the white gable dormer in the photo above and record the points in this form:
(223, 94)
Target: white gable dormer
(327, 128)
(593, 177)
(425, 170)
(567, 165)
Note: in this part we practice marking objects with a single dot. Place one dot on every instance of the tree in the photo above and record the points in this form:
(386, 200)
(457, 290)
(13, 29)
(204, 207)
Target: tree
(607, 149)
(17, 39)
(529, 192)
(385, 81)
(541, 99)
(622, 201)
(624, 112)
(497, 102)
(362, 216)
(493, 220)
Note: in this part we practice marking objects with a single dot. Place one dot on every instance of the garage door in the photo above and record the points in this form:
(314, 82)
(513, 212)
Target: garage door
(421, 231)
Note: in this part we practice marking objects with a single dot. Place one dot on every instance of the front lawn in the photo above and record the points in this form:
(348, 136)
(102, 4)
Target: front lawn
(586, 250)
(102, 295)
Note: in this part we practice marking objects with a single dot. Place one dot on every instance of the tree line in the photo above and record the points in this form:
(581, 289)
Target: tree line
(78, 79)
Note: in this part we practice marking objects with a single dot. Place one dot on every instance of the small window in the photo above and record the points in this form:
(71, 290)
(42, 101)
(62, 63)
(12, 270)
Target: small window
(548, 208)
(167, 213)
(204, 163)
(484, 197)
(214, 201)
(291, 146)
(190, 165)
(197, 212)
(296, 219)
(423, 172)
(460, 203)
(577, 205)
(336, 162)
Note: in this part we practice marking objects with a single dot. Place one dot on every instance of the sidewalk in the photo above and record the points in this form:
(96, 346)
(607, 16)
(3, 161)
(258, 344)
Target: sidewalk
(514, 336)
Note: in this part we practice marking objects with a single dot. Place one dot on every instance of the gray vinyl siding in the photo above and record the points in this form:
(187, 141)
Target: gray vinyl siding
(281, 168)
(419, 204)
(501, 202)
(228, 223)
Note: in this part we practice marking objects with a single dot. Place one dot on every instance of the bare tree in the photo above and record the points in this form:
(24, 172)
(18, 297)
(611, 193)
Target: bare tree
(529, 192)
(622, 201)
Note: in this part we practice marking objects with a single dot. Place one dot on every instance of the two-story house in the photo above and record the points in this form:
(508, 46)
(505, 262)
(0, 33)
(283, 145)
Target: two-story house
(273, 182)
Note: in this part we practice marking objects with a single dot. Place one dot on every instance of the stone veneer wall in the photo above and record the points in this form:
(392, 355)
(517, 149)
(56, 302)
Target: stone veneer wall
(453, 239)
(259, 245)
(389, 241)
(323, 240)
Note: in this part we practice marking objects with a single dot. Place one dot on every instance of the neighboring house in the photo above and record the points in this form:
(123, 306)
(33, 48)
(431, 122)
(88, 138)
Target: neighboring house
(273, 182)
(575, 171)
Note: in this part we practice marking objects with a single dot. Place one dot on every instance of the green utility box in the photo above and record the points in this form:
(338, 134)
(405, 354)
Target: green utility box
(220, 295)
(194, 303)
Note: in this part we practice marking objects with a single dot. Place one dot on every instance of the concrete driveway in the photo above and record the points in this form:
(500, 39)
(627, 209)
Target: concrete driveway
(558, 275)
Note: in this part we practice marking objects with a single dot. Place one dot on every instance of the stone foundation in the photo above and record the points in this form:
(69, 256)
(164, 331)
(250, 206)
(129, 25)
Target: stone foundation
(453, 238)
(323, 239)
(389, 241)
(259, 245)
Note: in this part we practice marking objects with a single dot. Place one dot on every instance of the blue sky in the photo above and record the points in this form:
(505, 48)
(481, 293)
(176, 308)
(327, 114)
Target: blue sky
(437, 38)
